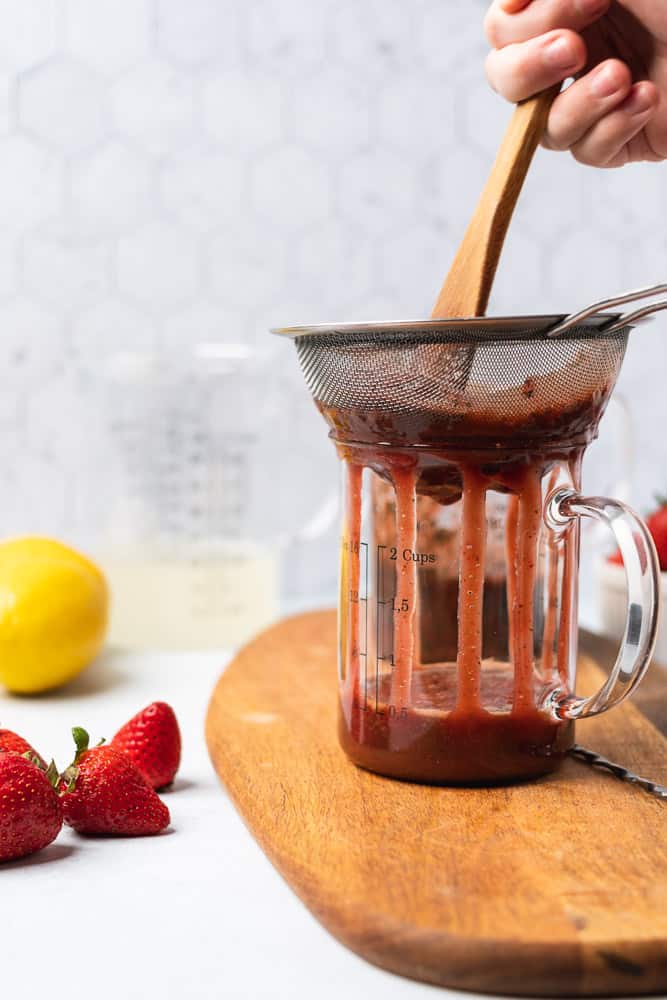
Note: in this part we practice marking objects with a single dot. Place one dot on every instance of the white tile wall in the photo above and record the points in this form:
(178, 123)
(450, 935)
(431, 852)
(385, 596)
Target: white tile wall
(173, 172)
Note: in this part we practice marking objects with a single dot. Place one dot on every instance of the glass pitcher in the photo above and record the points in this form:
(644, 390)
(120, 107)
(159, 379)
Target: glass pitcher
(458, 620)
(181, 493)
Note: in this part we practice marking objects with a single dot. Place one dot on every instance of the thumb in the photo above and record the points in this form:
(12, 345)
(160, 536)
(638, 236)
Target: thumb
(513, 6)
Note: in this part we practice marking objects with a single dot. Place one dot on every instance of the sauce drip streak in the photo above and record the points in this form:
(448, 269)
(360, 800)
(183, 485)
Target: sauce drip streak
(352, 547)
(525, 563)
(405, 639)
(471, 590)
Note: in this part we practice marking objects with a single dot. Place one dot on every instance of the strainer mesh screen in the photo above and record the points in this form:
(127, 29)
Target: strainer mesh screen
(509, 378)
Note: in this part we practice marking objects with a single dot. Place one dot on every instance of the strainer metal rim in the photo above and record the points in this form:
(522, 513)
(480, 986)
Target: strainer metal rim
(593, 321)
(491, 327)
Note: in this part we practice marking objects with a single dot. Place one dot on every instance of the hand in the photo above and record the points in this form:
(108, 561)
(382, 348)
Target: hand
(616, 110)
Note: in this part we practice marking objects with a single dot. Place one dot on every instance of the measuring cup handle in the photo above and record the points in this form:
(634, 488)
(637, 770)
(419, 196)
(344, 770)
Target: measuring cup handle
(642, 572)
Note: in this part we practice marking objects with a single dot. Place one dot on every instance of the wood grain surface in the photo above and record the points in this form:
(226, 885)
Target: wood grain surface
(554, 888)
(468, 285)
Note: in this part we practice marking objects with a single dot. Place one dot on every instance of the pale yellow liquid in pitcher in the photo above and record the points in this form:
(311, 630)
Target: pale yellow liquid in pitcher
(164, 603)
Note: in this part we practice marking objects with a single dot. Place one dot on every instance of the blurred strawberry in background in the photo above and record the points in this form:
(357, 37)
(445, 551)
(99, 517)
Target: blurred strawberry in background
(657, 525)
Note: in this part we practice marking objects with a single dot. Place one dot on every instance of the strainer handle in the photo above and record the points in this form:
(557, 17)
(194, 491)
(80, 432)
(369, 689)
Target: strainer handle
(642, 572)
(617, 323)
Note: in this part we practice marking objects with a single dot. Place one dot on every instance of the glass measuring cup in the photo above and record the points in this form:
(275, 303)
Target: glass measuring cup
(170, 492)
(461, 448)
(180, 530)
(458, 622)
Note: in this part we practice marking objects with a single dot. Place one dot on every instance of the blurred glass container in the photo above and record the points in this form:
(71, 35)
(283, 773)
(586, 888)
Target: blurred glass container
(178, 497)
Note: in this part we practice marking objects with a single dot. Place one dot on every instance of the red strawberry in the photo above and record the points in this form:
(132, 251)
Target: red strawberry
(153, 741)
(104, 793)
(30, 810)
(13, 743)
(657, 525)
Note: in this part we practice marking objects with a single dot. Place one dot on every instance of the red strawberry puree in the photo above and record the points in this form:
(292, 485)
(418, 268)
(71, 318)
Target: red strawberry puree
(461, 702)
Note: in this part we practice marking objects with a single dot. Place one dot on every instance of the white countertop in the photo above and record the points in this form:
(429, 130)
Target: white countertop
(195, 913)
(198, 912)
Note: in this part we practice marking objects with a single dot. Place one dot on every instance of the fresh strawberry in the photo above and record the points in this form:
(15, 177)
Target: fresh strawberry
(13, 743)
(152, 740)
(30, 810)
(657, 525)
(104, 793)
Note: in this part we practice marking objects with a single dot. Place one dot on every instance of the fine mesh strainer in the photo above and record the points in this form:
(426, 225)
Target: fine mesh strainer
(504, 371)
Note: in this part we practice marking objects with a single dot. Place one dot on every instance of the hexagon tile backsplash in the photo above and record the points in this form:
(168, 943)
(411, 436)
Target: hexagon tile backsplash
(179, 172)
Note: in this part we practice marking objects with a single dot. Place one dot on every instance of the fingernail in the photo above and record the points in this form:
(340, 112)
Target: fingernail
(638, 102)
(559, 55)
(591, 7)
(605, 82)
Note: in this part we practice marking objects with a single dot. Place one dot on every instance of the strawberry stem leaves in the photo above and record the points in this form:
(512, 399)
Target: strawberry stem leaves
(81, 741)
(68, 779)
(52, 774)
(34, 759)
(71, 773)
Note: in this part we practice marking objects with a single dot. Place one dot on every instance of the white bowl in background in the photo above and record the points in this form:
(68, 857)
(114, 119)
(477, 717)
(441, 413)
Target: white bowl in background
(613, 604)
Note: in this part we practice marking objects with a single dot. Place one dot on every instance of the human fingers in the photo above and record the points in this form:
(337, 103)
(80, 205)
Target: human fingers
(606, 143)
(511, 6)
(590, 99)
(526, 68)
(511, 21)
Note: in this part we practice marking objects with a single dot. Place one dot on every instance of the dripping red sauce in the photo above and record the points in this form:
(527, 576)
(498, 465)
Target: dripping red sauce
(456, 715)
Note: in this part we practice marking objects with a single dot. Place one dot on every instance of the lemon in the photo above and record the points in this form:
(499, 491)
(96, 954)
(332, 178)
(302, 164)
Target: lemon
(53, 613)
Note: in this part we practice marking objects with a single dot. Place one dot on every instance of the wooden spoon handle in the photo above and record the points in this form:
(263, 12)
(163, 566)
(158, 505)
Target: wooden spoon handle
(468, 285)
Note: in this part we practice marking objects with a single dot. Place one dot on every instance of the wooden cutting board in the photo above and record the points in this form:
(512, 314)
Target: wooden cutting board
(553, 888)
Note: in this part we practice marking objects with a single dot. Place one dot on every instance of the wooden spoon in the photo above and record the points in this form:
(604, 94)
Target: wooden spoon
(468, 285)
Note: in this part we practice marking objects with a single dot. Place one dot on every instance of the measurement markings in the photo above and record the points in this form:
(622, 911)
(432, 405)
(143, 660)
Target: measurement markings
(379, 620)
(364, 546)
